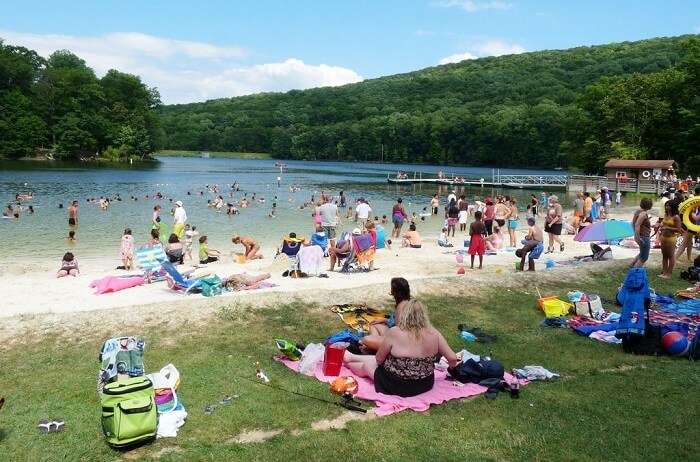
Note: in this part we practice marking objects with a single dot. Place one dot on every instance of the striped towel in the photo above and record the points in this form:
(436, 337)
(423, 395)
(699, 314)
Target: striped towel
(150, 258)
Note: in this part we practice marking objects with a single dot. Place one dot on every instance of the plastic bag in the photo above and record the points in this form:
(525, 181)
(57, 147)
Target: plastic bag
(312, 355)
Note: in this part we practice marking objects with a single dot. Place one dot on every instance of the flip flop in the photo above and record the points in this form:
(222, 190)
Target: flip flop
(2, 402)
(209, 409)
(43, 426)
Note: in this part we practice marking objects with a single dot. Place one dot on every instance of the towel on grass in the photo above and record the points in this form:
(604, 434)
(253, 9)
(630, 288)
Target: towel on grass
(443, 390)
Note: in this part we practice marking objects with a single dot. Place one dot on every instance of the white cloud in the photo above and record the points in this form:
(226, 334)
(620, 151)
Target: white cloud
(186, 71)
(472, 6)
(485, 48)
(497, 48)
(457, 57)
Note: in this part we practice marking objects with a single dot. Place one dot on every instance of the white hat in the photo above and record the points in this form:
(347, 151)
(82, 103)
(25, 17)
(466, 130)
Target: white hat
(178, 203)
(356, 231)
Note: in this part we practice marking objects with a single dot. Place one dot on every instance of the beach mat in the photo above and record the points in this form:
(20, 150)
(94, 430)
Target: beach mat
(359, 317)
(444, 390)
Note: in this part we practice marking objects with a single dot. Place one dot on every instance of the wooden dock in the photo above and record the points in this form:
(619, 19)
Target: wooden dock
(497, 180)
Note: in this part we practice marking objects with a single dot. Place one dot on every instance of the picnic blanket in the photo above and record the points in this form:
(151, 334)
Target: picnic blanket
(585, 326)
(687, 307)
(359, 317)
(443, 390)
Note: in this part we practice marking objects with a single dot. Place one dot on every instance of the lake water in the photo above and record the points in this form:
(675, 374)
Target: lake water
(43, 234)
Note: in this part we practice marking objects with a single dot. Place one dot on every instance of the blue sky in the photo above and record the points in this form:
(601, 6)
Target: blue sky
(194, 51)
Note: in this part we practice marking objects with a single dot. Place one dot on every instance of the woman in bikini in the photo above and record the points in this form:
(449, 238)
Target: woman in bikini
(404, 363)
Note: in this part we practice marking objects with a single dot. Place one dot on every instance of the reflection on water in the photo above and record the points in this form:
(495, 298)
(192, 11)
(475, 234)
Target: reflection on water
(43, 234)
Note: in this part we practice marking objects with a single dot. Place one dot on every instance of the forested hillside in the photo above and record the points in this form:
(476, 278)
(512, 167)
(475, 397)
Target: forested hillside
(549, 108)
(58, 107)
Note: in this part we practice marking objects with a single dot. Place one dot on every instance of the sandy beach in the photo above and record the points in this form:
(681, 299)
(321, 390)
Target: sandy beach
(36, 291)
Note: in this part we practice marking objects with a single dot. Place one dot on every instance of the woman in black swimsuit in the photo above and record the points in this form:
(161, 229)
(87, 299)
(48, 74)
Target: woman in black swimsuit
(403, 365)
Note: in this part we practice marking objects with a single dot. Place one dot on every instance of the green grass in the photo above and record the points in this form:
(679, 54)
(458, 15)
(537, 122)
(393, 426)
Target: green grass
(608, 405)
(219, 154)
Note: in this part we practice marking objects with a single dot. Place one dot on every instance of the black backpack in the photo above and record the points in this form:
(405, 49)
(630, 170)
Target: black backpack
(694, 350)
(471, 371)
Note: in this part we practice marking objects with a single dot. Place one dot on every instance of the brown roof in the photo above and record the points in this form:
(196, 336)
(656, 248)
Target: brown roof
(624, 163)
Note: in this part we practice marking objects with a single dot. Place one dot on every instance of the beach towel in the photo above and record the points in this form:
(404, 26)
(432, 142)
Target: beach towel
(115, 284)
(366, 256)
(362, 242)
(633, 296)
(311, 259)
(150, 258)
(443, 390)
(359, 317)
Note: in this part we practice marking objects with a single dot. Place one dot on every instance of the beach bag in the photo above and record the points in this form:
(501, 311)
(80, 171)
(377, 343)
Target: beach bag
(647, 344)
(694, 349)
(589, 308)
(211, 285)
(471, 371)
(129, 414)
(120, 355)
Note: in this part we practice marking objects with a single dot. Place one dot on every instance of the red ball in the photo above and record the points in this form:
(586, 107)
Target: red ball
(675, 343)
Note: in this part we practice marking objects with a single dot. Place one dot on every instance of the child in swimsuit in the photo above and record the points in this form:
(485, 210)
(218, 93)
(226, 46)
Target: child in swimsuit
(69, 266)
(127, 250)
(477, 243)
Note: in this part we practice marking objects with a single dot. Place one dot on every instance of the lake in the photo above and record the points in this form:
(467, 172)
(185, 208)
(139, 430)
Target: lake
(42, 235)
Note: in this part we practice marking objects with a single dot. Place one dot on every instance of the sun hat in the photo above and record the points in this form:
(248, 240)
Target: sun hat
(356, 231)
(178, 203)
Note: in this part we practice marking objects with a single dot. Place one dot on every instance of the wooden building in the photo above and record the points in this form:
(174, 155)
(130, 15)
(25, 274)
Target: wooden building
(643, 171)
(649, 176)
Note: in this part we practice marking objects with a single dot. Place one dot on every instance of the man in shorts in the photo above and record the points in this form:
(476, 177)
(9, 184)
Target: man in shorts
(329, 219)
(73, 214)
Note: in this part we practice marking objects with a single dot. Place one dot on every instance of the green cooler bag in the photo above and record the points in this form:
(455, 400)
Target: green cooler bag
(129, 414)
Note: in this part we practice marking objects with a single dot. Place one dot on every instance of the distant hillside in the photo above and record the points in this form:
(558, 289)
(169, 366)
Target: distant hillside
(517, 110)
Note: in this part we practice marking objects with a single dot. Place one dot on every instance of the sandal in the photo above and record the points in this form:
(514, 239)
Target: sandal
(561, 247)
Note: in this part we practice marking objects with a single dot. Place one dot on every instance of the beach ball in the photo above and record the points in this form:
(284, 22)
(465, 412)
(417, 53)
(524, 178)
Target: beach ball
(460, 270)
(675, 343)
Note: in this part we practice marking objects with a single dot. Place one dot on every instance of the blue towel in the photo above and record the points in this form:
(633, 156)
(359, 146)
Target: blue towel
(588, 330)
(633, 295)
(343, 336)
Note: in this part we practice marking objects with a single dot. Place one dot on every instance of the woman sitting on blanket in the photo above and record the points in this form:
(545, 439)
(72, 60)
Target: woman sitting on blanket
(401, 292)
(404, 363)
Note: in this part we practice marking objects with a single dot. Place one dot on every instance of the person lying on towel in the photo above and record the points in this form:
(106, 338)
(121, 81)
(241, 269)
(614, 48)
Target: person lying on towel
(404, 363)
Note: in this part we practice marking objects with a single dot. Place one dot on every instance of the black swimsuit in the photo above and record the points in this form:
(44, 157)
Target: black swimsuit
(404, 376)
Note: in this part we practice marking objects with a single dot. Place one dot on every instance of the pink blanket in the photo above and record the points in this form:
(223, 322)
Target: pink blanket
(443, 390)
(114, 284)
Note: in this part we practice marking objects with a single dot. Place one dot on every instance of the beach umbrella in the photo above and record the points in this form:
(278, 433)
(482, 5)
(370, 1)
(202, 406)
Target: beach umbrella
(610, 230)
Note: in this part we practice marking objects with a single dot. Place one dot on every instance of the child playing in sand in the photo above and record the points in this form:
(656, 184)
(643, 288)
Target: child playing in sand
(207, 255)
(190, 233)
(412, 238)
(252, 248)
(443, 240)
(477, 244)
(127, 250)
(533, 246)
(69, 266)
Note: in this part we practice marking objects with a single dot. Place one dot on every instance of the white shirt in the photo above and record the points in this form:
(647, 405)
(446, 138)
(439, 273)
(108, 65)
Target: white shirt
(451, 197)
(329, 214)
(363, 210)
(179, 216)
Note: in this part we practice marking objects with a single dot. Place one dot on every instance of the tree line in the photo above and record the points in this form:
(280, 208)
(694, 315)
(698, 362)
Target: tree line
(59, 108)
(565, 108)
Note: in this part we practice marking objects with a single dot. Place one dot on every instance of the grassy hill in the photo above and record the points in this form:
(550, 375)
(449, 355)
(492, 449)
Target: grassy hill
(514, 110)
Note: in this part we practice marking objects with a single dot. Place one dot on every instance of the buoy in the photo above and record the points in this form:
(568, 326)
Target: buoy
(685, 209)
